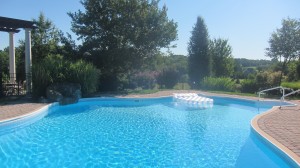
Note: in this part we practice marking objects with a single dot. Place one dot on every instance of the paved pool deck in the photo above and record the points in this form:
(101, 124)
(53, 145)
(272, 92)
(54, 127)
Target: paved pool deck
(281, 126)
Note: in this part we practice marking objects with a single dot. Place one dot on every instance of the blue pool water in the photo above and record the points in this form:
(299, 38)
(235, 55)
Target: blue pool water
(140, 133)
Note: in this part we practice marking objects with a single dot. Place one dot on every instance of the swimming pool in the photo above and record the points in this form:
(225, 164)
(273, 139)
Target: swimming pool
(113, 132)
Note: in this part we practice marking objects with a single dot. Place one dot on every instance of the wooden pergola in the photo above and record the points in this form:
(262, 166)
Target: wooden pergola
(12, 26)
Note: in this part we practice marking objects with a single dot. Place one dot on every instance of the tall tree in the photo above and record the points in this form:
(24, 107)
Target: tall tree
(45, 38)
(221, 53)
(121, 34)
(285, 43)
(200, 62)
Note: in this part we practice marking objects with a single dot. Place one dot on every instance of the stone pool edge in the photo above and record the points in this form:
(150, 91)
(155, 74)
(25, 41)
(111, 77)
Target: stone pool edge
(286, 151)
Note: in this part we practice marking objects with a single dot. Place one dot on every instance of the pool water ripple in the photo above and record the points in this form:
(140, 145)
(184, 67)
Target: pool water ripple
(156, 134)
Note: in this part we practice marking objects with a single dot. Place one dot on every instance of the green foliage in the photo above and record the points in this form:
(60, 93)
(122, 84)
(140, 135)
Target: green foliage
(4, 61)
(267, 79)
(144, 80)
(182, 86)
(293, 71)
(284, 43)
(200, 62)
(293, 85)
(298, 70)
(262, 80)
(253, 63)
(86, 75)
(43, 75)
(142, 91)
(168, 78)
(249, 86)
(45, 38)
(220, 84)
(223, 62)
(249, 71)
(54, 69)
(69, 49)
(120, 35)
(237, 70)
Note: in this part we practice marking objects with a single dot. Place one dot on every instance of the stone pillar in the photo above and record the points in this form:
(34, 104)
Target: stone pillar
(12, 62)
(28, 62)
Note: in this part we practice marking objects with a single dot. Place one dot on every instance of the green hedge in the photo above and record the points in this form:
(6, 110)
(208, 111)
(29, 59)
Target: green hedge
(219, 84)
(293, 85)
(55, 69)
(86, 75)
(249, 86)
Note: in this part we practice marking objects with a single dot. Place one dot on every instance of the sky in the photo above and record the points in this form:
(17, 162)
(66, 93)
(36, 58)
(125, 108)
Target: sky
(246, 24)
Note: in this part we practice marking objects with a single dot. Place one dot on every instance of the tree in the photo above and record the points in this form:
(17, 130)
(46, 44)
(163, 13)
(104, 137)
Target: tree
(200, 62)
(285, 43)
(223, 62)
(168, 77)
(4, 61)
(45, 38)
(121, 34)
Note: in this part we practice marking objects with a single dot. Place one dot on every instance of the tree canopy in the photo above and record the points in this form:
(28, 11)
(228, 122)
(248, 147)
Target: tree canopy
(45, 38)
(221, 54)
(120, 35)
(285, 43)
(200, 62)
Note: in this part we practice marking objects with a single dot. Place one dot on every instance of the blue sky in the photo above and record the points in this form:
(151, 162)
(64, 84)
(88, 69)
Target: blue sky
(247, 24)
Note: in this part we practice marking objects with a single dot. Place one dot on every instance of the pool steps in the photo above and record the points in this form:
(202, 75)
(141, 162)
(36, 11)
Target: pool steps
(193, 99)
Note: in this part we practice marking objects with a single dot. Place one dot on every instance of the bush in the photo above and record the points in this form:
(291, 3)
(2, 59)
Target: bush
(86, 75)
(293, 71)
(54, 69)
(46, 72)
(182, 86)
(168, 78)
(218, 84)
(249, 86)
(263, 80)
(293, 85)
(144, 80)
(267, 79)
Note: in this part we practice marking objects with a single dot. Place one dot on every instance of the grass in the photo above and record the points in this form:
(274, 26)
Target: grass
(146, 91)
(218, 92)
(234, 93)
(293, 85)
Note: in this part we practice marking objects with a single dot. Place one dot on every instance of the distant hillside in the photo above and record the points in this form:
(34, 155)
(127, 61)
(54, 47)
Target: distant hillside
(253, 63)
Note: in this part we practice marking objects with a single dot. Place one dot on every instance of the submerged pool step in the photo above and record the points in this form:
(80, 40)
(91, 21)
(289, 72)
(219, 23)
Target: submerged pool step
(193, 99)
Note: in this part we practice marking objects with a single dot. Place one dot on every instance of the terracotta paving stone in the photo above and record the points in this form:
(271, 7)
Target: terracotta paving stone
(284, 126)
(18, 108)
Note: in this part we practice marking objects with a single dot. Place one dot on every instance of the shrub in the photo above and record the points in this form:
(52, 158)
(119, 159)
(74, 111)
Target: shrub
(168, 78)
(54, 69)
(267, 79)
(263, 80)
(293, 71)
(249, 86)
(49, 70)
(293, 85)
(144, 80)
(219, 84)
(182, 86)
(86, 75)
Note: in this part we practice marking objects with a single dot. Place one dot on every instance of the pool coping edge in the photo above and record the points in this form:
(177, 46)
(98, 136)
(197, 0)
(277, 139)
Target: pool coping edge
(255, 126)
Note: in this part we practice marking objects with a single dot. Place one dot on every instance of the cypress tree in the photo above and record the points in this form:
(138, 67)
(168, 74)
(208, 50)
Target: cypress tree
(200, 62)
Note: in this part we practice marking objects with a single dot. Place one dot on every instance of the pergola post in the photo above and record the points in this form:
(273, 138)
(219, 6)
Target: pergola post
(28, 62)
(12, 26)
(12, 62)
